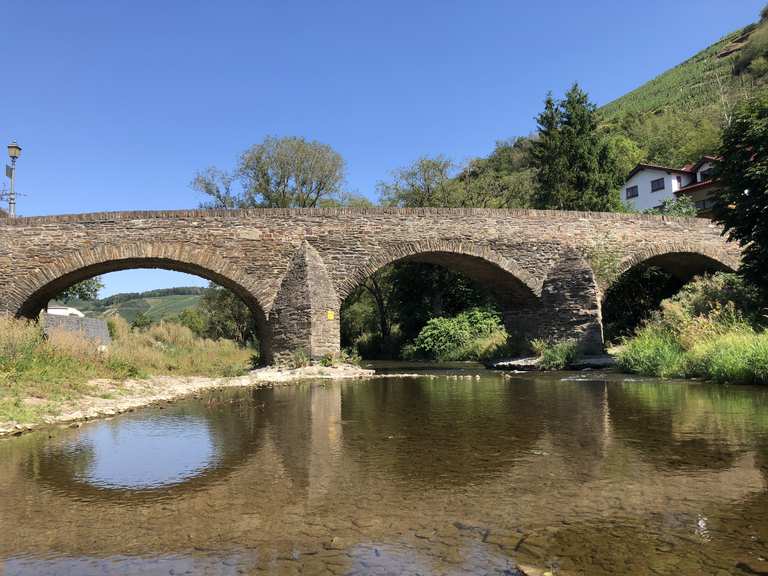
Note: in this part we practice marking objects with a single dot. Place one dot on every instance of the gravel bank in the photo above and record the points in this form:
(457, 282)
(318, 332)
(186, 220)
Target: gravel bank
(115, 397)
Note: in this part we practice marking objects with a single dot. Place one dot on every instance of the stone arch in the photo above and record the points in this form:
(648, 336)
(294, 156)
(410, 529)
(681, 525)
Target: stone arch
(33, 291)
(478, 262)
(682, 259)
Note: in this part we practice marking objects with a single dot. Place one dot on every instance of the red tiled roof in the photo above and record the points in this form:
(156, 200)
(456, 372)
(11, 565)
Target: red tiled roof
(687, 169)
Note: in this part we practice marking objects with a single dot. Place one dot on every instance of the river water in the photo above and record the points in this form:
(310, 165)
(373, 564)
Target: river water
(455, 472)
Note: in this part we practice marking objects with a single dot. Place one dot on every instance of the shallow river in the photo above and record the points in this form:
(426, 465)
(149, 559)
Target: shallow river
(466, 472)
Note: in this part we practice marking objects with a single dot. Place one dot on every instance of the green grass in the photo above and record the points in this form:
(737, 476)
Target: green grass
(556, 356)
(653, 352)
(714, 328)
(739, 357)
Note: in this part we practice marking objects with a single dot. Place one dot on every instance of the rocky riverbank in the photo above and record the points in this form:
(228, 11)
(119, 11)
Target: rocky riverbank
(532, 363)
(111, 397)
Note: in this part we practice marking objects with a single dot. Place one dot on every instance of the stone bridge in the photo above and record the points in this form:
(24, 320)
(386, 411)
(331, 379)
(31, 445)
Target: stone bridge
(294, 267)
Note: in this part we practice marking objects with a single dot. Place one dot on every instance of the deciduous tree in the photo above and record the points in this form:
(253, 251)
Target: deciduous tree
(426, 182)
(742, 207)
(279, 172)
(227, 316)
(85, 290)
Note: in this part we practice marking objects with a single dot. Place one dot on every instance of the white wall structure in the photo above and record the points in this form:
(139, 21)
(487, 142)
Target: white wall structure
(64, 311)
(643, 176)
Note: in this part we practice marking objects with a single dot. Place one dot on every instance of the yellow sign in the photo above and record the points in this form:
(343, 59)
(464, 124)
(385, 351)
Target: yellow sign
(331, 315)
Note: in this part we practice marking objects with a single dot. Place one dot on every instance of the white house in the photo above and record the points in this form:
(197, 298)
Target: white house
(648, 185)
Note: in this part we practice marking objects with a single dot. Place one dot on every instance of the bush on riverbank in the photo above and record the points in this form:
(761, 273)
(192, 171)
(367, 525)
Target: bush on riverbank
(475, 334)
(58, 367)
(713, 329)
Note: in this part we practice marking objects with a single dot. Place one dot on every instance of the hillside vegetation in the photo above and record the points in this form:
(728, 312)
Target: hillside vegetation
(694, 84)
(678, 116)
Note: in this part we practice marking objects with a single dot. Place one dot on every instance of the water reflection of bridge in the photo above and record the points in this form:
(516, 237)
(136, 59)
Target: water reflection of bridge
(297, 467)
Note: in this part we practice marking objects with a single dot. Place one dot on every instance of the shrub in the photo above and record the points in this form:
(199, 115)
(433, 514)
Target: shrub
(372, 345)
(141, 321)
(299, 358)
(467, 336)
(709, 293)
(756, 47)
(350, 356)
(759, 66)
(677, 206)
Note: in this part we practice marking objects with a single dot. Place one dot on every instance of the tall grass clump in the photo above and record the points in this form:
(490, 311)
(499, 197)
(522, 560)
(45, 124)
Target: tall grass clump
(555, 356)
(713, 329)
(652, 352)
(170, 348)
(36, 368)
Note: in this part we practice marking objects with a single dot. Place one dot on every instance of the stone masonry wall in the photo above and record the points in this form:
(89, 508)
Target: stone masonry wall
(94, 329)
(294, 267)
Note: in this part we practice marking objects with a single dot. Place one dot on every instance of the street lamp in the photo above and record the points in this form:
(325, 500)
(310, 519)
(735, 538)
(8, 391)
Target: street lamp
(14, 151)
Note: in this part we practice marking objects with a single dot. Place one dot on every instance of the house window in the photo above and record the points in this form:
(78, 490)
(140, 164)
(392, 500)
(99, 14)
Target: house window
(632, 192)
(705, 175)
(657, 184)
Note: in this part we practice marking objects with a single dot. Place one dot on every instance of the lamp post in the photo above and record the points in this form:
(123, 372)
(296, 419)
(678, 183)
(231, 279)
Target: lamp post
(14, 151)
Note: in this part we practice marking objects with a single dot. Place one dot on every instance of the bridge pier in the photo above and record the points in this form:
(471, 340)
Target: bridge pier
(305, 316)
(569, 308)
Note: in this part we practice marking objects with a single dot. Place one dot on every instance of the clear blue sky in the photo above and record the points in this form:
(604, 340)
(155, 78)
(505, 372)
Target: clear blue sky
(116, 104)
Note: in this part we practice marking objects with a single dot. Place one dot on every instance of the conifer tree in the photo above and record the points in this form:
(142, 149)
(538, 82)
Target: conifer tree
(576, 170)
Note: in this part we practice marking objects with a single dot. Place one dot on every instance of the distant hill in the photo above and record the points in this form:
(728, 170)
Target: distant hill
(157, 304)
